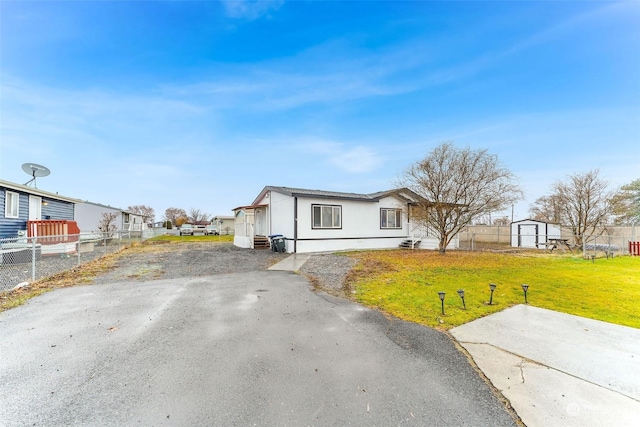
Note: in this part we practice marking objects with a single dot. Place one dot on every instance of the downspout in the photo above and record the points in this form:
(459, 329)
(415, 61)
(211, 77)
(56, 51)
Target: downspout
(295, 224)
(270, 224)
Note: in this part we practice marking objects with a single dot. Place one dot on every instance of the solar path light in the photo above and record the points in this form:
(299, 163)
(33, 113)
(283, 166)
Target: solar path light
(492, 286)
(525, 288)
(441, 295)
(461, 293)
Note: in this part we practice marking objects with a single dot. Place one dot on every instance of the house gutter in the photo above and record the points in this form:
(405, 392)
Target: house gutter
(295, 224)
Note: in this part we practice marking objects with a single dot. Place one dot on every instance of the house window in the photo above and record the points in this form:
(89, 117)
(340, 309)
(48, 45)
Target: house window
(326, 216)
(125, 218)
(390, 218)
(11, 204)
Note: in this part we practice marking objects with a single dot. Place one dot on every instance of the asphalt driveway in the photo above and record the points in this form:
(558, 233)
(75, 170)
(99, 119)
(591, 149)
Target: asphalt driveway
(246, 348)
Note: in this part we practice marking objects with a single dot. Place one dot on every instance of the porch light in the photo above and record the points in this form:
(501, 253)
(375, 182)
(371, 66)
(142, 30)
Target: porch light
(44, 203)
(461, 293)
(492, 286)
(441, 295)
(525, 288)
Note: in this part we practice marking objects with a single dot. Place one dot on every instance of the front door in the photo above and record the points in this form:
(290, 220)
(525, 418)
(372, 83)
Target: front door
(35, 208)
(261, 221)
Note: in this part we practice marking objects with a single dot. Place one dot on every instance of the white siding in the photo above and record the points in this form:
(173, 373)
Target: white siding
(88, 216)
(360, 224)
(360, 220)
(280, 216)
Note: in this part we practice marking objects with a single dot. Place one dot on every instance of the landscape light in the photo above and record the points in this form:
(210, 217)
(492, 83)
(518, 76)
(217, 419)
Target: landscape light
(525, 288)
(441, 295)
(461, 293)
(492, 286)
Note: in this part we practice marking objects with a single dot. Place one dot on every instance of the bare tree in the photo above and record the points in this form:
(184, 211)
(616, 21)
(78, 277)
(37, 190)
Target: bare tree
(584, 204)
(196, 216)
(546, 208)
(626, 203)
(147, 213)
(172, 215)
(503, 220)
(458, 186)
(106, 224)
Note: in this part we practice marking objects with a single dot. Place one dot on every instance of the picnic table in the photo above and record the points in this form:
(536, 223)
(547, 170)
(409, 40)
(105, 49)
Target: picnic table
(553, 243)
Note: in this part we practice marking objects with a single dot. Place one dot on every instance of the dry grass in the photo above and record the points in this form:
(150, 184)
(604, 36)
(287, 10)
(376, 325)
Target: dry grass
(225, 238)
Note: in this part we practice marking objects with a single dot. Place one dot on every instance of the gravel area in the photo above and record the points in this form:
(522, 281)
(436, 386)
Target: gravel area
(167, 261)
(170, 261)
(12, 274)
(328, 271)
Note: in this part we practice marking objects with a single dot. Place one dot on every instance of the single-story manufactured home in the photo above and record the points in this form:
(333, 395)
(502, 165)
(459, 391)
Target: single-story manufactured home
(89, 215)
(531, 233)
(22, 205)
(318, 221)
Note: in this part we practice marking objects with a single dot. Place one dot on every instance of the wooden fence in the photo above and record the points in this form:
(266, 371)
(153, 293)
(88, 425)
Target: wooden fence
(62, 231)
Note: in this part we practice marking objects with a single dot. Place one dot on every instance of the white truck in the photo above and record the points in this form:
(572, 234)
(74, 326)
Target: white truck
(190, 229)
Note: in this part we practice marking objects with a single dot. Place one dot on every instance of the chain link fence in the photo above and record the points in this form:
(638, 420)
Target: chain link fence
(27, 259)
(611, 241)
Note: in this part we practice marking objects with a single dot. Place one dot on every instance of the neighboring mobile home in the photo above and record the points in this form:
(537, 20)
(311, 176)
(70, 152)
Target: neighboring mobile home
(21, 204)
(317, 221)
(88, 215)
(224, 224)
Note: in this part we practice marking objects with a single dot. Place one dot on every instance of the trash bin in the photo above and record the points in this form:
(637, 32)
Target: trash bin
(277, 243)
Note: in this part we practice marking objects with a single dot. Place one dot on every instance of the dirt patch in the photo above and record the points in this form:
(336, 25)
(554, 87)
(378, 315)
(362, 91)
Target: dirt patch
(327, 272)
(175, 260)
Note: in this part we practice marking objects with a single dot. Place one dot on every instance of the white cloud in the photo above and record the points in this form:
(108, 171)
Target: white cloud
(248, 9)
(354, 160)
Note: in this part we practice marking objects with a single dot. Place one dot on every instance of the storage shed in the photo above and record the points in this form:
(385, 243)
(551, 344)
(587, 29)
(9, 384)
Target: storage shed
(530, 233)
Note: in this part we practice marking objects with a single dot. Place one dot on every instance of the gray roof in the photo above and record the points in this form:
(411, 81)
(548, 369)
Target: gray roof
(36, 191)
(115, 208)
(407, 194)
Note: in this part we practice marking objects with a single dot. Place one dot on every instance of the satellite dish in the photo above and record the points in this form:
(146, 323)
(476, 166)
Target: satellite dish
(35, 171)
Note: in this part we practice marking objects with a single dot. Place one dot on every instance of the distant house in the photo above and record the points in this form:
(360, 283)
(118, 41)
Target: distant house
(316, 220)
(224, 224)
(23, 205)
(531, 233)
(88, 215)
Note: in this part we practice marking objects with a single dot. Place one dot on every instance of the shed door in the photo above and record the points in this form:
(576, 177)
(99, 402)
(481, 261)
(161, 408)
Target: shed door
(35, 208)
(528, 235)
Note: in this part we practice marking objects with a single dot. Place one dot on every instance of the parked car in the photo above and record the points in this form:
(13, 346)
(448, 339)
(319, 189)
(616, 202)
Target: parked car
(211, 229)
(186, 229)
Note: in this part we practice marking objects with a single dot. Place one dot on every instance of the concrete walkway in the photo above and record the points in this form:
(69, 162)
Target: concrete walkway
(291, 263)
(558, 369)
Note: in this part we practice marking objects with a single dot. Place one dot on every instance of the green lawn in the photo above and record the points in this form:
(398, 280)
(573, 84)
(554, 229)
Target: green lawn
(406, 284)
(225, 238)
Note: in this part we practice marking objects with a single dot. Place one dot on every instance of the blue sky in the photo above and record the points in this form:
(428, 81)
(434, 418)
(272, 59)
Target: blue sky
(197, 104)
